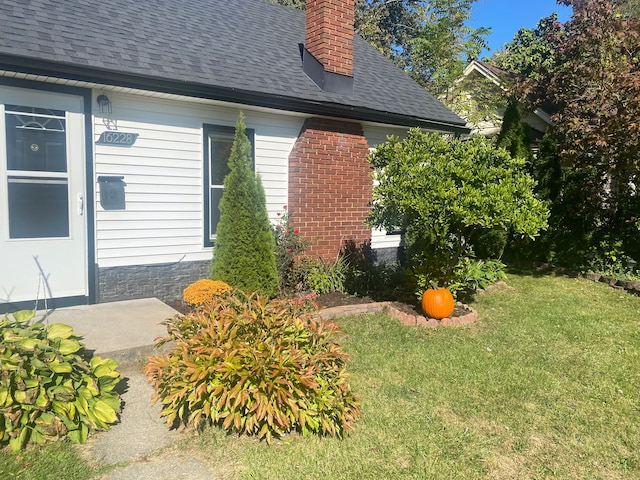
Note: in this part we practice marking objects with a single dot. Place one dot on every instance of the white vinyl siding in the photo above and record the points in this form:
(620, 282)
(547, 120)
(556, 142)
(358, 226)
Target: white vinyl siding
(377, 136)
(163, 221)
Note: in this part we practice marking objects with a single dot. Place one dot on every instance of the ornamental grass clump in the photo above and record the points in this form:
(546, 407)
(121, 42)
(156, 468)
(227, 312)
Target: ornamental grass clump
(48, 389)
(204, 291)
(255, 366)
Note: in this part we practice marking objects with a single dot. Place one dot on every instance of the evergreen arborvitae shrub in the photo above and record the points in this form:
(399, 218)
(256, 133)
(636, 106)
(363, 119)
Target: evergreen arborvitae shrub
(513, 134)
(546, 169)
(243, 252)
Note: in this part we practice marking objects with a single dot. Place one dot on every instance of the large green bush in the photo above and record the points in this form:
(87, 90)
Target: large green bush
(48, 389)
(243, 252)
(255, 366)
(446, 194)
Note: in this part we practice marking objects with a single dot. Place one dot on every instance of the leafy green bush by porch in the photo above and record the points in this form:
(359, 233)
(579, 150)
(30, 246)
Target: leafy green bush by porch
(48, 390)
(446, 194)
(255, 366)
(243, 252)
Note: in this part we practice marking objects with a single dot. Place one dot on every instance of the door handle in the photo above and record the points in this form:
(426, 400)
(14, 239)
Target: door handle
(80, 204)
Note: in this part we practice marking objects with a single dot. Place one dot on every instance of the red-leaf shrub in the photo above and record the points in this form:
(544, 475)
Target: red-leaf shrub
(255, 366)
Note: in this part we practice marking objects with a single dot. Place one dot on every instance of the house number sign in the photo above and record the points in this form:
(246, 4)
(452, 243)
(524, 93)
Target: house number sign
(117, 138)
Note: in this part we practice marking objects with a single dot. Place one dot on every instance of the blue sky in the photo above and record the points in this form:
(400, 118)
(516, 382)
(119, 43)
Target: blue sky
(506, 17)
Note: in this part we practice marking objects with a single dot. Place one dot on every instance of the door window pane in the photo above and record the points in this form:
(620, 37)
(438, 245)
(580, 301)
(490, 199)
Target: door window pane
(38, 200)
(38, 208)
(36, 141)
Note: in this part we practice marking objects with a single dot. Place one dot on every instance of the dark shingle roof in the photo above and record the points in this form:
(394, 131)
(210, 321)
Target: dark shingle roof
(502, 75)
(240, 50)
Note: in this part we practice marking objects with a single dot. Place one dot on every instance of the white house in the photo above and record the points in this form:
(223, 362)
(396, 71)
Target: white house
(481, 80)
(116, 121)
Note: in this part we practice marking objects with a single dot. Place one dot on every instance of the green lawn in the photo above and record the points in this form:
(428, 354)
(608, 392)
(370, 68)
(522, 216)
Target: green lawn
(55, 461)
(545, 385)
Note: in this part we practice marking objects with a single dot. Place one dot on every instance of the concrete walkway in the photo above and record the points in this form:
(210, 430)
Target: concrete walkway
(124, 331)
(140, 446)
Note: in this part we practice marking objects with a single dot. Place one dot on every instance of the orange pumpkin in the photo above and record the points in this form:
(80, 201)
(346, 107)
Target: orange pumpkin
(437, 303)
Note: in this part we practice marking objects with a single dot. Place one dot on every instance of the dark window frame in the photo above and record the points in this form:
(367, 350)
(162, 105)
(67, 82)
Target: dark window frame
(210, 130)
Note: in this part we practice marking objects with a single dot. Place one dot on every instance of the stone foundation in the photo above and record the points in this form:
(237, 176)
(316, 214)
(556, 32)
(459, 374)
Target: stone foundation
(163, 281)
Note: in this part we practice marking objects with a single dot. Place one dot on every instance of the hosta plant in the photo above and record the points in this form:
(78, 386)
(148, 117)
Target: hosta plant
(257, 367)
(48, 389)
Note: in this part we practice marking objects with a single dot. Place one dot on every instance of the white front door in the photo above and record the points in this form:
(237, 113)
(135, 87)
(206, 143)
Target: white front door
(43, 238)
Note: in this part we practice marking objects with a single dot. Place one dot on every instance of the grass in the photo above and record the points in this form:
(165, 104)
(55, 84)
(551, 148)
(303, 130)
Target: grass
(55, 461)
(545, 385)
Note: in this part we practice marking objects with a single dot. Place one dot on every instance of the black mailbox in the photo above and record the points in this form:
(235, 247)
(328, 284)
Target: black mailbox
(112, 192)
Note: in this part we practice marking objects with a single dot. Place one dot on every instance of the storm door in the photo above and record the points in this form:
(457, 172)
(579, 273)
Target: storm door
(43, 237)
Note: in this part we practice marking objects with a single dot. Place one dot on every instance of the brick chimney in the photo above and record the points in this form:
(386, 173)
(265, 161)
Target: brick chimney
(329, 34)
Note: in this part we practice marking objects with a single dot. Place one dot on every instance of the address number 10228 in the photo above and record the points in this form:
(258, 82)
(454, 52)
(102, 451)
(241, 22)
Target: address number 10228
(117, 138)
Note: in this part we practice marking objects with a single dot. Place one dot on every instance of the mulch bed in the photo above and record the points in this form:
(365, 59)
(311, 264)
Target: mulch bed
(337, 299)
(326, 300)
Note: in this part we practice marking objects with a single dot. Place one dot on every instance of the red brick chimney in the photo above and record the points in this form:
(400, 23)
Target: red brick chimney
(329, 34)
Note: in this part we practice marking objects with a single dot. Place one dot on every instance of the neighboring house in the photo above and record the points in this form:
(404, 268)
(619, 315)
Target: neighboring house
(116, 121)
(483, 84)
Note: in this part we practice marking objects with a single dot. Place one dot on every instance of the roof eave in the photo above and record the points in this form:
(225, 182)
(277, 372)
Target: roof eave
(62, 70)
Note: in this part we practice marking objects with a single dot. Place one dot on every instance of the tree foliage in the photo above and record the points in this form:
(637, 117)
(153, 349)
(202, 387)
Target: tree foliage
(428, 38)
(299, 4)
(477, 99)
(445, 193)
(530, 50)
(243, 252)
(387, 25)
(513, 134)
(595, 84)
(630, 8)
(439, 46)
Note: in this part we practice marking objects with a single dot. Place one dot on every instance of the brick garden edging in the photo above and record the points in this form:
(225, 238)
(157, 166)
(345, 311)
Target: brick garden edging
(406, 318)
(630, 286)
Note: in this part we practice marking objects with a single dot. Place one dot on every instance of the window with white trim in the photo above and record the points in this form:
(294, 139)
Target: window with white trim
(218, 141)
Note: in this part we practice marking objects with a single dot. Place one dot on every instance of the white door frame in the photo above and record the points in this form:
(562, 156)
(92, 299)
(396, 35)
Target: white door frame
(60, 270)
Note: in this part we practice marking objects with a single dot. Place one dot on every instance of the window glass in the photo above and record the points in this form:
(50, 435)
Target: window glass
(216, 195)
(37, 180)
(217, 146)
(219, 152)
(38, 208)
(36, 140)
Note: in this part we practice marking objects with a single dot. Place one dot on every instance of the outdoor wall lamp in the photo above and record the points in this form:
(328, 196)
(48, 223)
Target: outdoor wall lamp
(105, 104)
